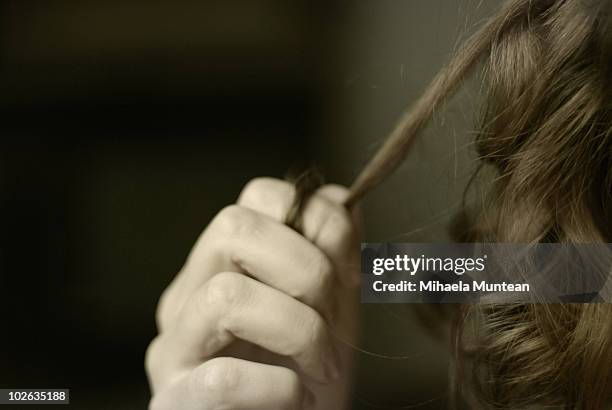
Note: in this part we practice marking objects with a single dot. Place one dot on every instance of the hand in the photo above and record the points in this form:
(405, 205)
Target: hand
(261, 317)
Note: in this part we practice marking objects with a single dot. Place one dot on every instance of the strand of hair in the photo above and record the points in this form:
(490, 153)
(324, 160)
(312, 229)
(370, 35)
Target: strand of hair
(398, 144)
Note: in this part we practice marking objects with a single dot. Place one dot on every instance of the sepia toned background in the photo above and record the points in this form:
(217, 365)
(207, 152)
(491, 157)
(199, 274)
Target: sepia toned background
(126, 125)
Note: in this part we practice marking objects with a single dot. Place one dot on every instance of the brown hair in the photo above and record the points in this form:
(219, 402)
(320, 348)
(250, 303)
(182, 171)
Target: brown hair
(547, 134)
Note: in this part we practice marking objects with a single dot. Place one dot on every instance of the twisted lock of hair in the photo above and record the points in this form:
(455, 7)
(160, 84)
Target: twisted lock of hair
(547, 134)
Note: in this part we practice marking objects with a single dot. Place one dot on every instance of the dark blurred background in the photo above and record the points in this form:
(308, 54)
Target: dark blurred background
(126, 125)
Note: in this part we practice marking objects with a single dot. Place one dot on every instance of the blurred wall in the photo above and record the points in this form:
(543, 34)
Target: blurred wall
(127, 124)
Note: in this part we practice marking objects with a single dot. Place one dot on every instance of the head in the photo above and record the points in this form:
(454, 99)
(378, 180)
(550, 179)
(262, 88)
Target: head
(546, 137)
(546, 133)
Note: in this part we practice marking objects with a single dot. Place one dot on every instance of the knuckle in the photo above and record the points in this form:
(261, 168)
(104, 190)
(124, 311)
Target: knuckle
(236, 221)
(153, 357)
(164, 311)
(269, 195)
(155, 404)
(216, 379)
(258, 189)
(222, 291)
(159, 402)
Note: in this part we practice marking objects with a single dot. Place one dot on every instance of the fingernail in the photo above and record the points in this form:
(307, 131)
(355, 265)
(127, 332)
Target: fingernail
(331, 362)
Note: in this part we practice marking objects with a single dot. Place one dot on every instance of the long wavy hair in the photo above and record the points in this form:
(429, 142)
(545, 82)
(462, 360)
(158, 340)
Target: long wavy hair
(546, 133)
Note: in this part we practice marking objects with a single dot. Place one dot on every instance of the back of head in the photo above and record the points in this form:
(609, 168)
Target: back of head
(547, 135)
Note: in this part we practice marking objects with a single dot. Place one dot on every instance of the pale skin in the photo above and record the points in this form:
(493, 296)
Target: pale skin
(261, 317)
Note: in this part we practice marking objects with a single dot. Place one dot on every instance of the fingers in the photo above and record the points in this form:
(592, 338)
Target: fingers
(240, 239)
(231, 306)
(326, 222)
(251, 238)
(228, 383)
(278, 299)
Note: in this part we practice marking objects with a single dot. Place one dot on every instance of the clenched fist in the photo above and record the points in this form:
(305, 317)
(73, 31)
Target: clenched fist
(261, 317)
